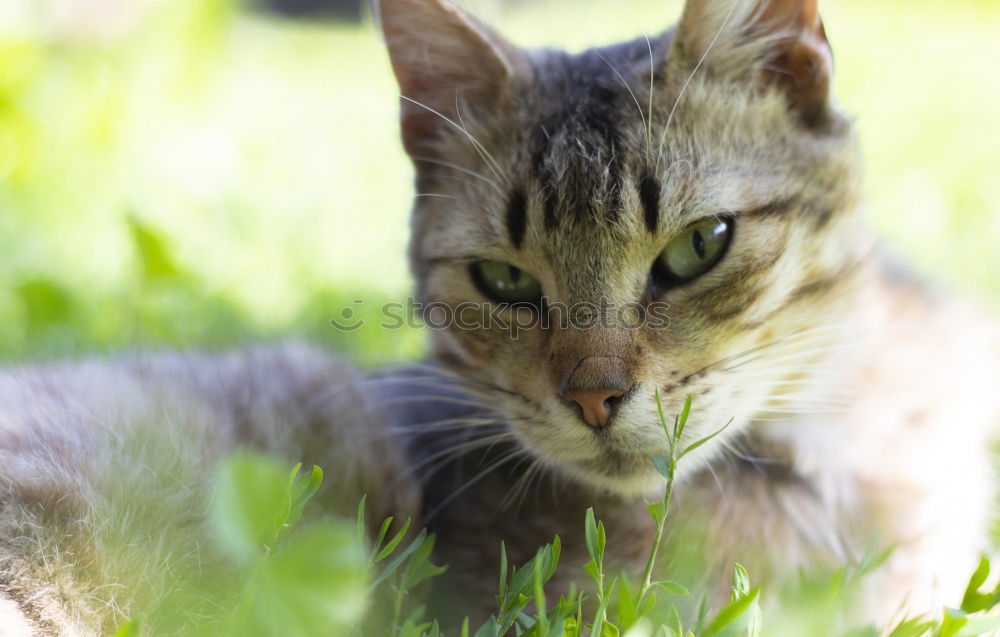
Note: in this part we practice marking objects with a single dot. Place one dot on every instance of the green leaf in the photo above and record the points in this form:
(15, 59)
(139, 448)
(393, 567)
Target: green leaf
(741, 582)
(627, 615)
(413, 626)
(973, 600)
(314, 585)
(490, 629)
(382, 531)
(602, 541)
(662, 464)
(46, 301)
(251, 503)
(682, 420)
(571, 627)
(301, 489)
(702, 615)
(658, 510)
(157, 262)
(556, 551)
(592, 569)
(393, 543)
(913, 627)
(659, 410)
(734, 618)
(675, 619)
(672, 588)
(952, 622)
(395, 564)
(503, 573)
(420, 567)
(542, 621)
(871, 560)
(304, 487)
(545, 562)
(590, 533)
(129, 629)
(699, 443)
(361, 517)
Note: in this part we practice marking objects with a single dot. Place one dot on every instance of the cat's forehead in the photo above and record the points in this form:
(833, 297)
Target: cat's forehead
(584, 143)
(606, 143)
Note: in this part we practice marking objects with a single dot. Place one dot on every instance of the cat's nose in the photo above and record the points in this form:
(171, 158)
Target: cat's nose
(597, 406)
(597, 385)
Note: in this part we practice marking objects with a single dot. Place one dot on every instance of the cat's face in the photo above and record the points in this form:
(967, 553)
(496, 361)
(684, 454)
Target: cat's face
(605, 228)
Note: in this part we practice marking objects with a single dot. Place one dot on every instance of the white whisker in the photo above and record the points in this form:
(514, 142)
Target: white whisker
(475, 142)
(466, 171)
(475, 480)
(683, 90)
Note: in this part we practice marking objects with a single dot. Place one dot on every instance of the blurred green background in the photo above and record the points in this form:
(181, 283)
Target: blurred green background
(199, 173)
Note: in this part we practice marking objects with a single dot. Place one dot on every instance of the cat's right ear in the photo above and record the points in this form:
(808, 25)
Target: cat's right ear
(448, 64)
(779, 43)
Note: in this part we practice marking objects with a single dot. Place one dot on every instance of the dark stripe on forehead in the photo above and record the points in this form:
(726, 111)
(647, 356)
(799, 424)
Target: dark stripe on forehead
(517, 217)
(540, 146)
(649, 195)
(577, 156)
(600, 144)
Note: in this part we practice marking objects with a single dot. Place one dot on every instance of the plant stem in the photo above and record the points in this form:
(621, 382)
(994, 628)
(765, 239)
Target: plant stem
(661, 524)
(398, 607)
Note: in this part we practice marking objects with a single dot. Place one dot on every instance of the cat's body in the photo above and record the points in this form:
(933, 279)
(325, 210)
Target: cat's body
(106, 471)
(707, 170)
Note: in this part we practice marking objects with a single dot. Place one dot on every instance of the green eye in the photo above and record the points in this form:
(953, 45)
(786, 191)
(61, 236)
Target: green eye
(505, 283)
(693, 252)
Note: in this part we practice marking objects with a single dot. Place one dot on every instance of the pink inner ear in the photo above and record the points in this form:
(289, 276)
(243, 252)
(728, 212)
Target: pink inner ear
(803, 64)
(445, 61)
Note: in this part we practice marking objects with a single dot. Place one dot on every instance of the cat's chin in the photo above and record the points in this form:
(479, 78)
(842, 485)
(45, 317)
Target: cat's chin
(622, 475)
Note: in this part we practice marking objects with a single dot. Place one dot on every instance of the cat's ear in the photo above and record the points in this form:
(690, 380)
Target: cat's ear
(777, 42)
(447, 63)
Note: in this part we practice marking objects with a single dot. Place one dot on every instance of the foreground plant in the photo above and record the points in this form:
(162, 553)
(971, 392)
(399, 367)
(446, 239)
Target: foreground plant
(282, 576)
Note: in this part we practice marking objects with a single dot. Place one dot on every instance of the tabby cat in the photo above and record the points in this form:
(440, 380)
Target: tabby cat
(706, 170)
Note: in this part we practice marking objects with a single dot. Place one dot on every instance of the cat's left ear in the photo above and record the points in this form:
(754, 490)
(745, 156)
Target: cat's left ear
(773, 42)
(448, 65)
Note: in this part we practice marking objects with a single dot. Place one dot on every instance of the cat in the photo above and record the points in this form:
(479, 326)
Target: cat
(707, 170)
(710, 169)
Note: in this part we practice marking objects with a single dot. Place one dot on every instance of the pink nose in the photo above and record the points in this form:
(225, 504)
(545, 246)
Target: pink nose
(597, 405)
(598, 385)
